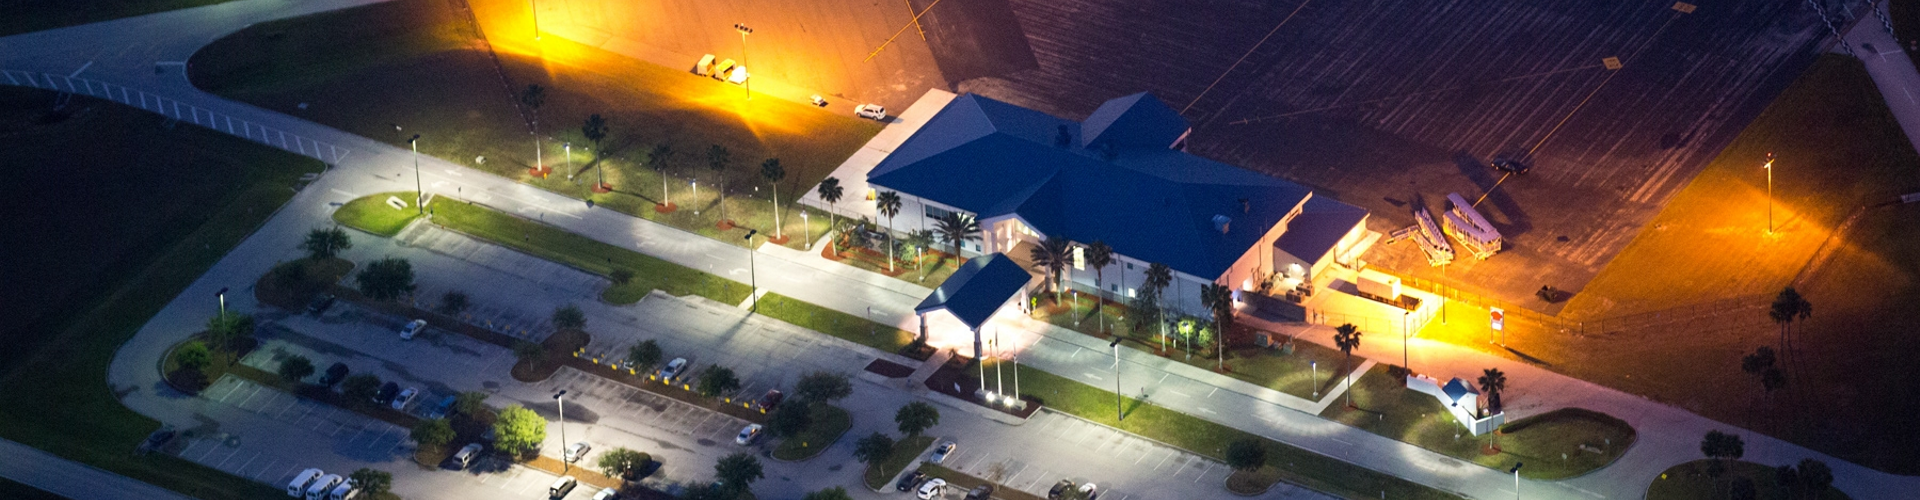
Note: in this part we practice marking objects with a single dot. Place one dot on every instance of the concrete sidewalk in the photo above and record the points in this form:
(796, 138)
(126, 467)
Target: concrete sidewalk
(30, 466)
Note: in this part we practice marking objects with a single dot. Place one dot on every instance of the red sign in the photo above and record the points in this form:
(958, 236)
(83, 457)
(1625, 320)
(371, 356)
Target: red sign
(1499, 319)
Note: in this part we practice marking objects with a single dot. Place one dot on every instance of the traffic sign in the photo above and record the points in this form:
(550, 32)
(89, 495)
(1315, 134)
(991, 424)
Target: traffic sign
(1499, 318)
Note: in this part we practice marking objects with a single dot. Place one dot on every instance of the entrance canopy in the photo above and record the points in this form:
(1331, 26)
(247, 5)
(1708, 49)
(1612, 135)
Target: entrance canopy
(977, 290)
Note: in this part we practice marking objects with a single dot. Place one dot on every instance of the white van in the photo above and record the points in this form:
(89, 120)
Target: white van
(465, 456)
(298, 487)
(561, 487)
(345, 491)
(320, 487)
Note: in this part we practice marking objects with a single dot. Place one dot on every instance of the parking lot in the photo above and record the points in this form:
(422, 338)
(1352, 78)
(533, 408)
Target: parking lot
(351, 436)
(1123, 465)
(596, 400)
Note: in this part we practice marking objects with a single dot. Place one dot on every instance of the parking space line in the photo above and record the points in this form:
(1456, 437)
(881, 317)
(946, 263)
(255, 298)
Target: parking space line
(1163, 461)
(243, 403)
(264, 468)
(189, 448)
(209, 452)
(1203, 472)
(1182, 468)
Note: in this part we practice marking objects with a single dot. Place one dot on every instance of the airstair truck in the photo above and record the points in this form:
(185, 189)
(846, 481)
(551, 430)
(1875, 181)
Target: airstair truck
(1432, 242)
(1464, 223)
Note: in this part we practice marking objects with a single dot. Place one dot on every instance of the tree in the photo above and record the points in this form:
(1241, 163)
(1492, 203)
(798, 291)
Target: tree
(1052, 256)
(386, 279)
(1246, 454)
(830, 192)
(1099, 255)
(372, 482)
(453, 303)
(1154, 287)
(519, 430)
(718, 380)
(644, 354)
(226, 328)
(737, 471)
(533, 97)
(789, 420)
(718, 159)
(773, 172)
(1788, 479)
(956, 227)
(622, 462)
(1722, 446)
(916, 417)
(295, 368)
(434, 432)
(595, 129)
(873, 449)
(1787, 307)
(1815, 477)
(569, 317)
(708, 492)
(529, 352)
(834, 493)
(359, 389)
(921, 240)
(657, 160)
(620, 276)
(1347, 338)
(822, 387)
(193, 357)
(1493, 382)
(1218, 300)
(470, 403)
(322, 243)
(888, 204)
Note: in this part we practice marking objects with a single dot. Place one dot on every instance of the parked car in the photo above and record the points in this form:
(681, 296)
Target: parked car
(770, 400)
(673, 370)
(932, 488)
(1089, 491)
(334, 374)
(910, 480)
(387, 392)
(441, 408)
(981, 492)
(1510, 165)
(298, 487)
(158, 438)
(322, 303)
(607, 494)
(940, 453)
(465, 456)
(561, 487)
(871, 111)
(405, 398)
(576, 451)
(1060, 489)
(748, 434)
(413, 328)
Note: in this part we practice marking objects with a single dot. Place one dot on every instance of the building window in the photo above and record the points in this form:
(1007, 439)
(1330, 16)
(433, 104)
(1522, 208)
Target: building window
(936, 212)
(1130, 292)
(1129, 266)
(1115, 288)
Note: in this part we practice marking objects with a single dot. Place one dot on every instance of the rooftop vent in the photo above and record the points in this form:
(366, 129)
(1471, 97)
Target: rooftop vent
(1220, 223)
(1064, 138)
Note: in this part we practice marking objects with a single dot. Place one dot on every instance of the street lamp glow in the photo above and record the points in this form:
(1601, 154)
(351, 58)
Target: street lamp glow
(1769, 168)
(419, 191)
(744, 60)
(806, 229)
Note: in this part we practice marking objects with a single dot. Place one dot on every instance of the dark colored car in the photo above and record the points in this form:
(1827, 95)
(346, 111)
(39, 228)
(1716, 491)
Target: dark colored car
(1510, 165)
(321, 304)
(387, 392)
(1060, 489)
(981, 492)
(771, 400)
(334, 375)
(908, 481)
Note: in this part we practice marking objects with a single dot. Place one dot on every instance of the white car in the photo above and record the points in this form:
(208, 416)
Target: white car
(606, 494)
(673, 369)
(748, 434)
(940, 454)
(871, 111)
(932, 488)
(413, 328)
(400, 402)
(576, 451)
(1089, 491)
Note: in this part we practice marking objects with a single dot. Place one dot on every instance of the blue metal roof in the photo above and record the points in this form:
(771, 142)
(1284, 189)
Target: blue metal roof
(1147, 202)
(1457, 389)
(1320, 225)
(978, 289)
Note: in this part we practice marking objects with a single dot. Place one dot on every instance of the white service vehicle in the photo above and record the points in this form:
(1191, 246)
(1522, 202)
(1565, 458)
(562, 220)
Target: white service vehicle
(874, 112)
(1464, 223)
(298, 487)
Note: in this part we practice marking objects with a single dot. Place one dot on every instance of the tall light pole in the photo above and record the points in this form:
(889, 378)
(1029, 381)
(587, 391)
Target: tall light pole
(1516, 479)
(569, 147)
(744, 60)
(565, 465)
(1404, 361)
(1316, 378)
(753, 272)
(222, 295)
(1769, 167)
(534, 8)
(419, 191)
(806, 229)
(1119, 411)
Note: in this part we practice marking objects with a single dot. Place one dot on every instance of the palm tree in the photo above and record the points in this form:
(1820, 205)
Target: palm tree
(830, 192)
(718, 159)
(955, 228)
(773, 172)
(657, 160)
(1099, 255)
(888, 203)
(1492, 381)
(533, 97)
(1218, 299)
(1158, 277)
(1787, 307)
(1052, 255)
(920, 240)
(1347, 338)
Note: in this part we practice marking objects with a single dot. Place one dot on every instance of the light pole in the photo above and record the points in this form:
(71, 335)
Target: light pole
(1769, 167)
(222, 295)
(419, 191)
(806, 230)
(1316, 378)
(569, 147)
(565, 465)
(1516, 479)
(1119, 411)
(744, 60)
(534, 9)
(753, 272)
(1405, 362)
(696, 193)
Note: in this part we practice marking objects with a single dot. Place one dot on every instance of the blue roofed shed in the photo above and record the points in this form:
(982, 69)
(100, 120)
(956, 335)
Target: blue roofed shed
(974, 293)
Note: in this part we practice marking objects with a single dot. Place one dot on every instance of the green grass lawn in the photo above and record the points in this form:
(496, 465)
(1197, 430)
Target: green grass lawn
(372, 213)
(1291, 373)
(27, 16)
(879, 475)
(343, 65)
(109, 259)
(1689, 481)
(16, 491)
(558, 245)
(934, 268)
(1302, 467)
(846, 326)
(829, 424)
(1550, 443)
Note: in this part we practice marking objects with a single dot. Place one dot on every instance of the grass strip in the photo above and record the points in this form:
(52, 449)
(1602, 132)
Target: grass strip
(1690, 481)
(1298, 466)
(372, 213)
(555, 244)
(879, 475)
(845, 326)
(829, 423)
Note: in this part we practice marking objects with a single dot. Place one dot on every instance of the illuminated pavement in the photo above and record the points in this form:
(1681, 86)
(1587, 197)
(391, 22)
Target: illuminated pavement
(119, 53)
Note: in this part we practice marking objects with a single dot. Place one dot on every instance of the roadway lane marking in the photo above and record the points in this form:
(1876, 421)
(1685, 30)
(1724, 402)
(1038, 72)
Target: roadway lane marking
(1209, 411)
(1215, 390)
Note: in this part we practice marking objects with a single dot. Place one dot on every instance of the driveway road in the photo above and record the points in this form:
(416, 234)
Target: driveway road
(30, 466)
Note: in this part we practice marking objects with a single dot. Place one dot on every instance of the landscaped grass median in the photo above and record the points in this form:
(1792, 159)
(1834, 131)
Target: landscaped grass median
(829, 423)
(1210, 439)
(555, 244)
(372, 213)
(1689, 481)
(880, 475)
(846, 326)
